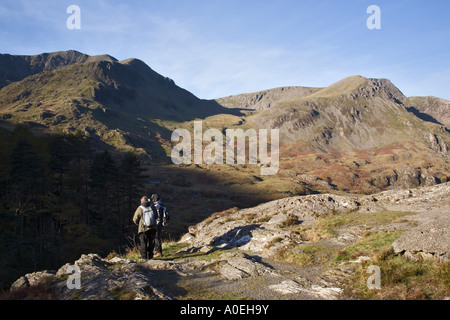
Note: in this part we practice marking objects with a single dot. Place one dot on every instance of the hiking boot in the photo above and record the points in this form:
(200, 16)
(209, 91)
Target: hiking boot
(157, 255)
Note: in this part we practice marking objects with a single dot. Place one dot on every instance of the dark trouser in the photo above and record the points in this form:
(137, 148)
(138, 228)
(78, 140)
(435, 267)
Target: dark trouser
(147, 243)
(158, 242)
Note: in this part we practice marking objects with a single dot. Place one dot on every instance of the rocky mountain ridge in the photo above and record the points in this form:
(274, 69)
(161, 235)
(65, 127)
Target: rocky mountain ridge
(431, 109)
(16, 68)
(113, 102)
(355, 113)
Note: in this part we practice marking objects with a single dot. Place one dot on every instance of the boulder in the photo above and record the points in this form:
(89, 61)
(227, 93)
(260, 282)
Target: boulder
(100, 279)
(237, 265)
(427, 241)
(33, 279)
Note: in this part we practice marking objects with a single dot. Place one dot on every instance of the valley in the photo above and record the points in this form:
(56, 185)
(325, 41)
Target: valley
(355, 138)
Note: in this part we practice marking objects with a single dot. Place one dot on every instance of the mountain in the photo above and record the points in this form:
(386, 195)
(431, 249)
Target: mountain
(15, 68)
(355, 113)
(265, 99)
(432, 109)
(358, 134)
(116, 103)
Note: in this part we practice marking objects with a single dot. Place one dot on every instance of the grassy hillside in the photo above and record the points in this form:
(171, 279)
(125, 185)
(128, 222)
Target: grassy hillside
(114, 103)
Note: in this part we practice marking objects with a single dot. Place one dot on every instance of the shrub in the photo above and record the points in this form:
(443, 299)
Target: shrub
(290, 221)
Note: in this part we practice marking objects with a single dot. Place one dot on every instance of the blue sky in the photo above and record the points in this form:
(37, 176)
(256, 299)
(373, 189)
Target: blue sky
(217, 48)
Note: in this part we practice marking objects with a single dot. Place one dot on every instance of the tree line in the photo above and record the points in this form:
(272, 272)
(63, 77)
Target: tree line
(59, 199)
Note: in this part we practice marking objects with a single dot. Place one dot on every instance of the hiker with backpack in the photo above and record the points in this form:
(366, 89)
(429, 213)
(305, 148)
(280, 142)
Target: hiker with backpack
(163, 218)
(146, 219)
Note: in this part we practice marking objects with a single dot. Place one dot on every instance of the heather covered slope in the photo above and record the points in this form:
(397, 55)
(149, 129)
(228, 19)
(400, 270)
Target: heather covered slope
(358, 134)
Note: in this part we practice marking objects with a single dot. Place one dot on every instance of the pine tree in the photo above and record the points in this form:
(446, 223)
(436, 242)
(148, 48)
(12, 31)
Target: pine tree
(131, 182)
(103, 181)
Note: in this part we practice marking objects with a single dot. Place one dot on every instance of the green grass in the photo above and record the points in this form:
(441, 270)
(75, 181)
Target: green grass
(171, 250)
(401, 279)
(326, 225)
(306, 255)
(121, 293)
(317, 250)
(371, 244)
(174, 251)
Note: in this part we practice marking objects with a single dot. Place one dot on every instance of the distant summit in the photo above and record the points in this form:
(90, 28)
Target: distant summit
(15, 68)
(355, 113)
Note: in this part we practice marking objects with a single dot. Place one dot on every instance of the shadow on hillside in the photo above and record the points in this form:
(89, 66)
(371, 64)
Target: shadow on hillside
(212, 107)
(423, 116)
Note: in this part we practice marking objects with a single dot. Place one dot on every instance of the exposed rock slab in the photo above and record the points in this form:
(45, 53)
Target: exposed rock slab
(427, 241)
(99, 280)
(293, 287)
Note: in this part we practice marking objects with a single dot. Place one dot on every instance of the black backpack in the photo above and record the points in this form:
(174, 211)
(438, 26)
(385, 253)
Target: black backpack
(165, 214)
(166, 217)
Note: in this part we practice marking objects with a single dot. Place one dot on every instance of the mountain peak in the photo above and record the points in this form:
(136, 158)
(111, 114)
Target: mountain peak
(359, 86)
(16, 68)
(102, 57)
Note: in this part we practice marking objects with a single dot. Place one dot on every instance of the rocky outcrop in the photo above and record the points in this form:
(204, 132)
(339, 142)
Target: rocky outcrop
(428, 241)
(249, 239)
(269, 226)
(293, 287)
(100, 279)
(253, 228)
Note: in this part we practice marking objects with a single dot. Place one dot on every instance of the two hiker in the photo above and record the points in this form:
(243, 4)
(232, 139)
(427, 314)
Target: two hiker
(150, 217)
